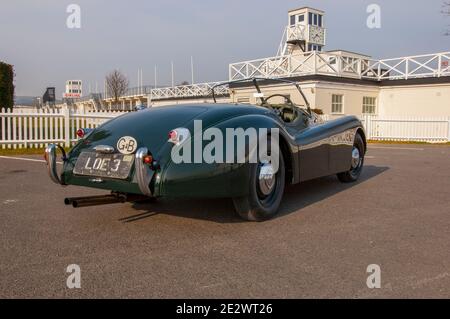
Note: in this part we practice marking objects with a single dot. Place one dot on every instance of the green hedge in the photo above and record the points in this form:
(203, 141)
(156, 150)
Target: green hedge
(6, 85)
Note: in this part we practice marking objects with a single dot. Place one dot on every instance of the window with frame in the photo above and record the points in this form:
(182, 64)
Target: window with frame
(315, 19)
(337, 103)
(369, 105)
(314, 47)
(292, 20)
(301, 18)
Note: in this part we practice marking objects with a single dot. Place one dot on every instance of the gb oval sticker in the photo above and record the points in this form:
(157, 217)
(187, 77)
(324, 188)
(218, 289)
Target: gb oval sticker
(126, 145)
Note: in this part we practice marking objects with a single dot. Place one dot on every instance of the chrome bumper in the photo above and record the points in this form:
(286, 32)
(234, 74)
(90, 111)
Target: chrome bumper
(50, 158)
(143, 175)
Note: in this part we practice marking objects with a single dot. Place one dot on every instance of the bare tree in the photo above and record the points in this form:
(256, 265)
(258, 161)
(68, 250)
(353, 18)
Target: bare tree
(117, 84)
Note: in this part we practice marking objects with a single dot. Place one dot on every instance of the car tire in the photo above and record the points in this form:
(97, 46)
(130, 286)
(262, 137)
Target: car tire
(357, 164)
(262, 201)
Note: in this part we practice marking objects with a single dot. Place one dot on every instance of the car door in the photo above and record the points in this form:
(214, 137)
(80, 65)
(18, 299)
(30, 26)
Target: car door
(312, 140)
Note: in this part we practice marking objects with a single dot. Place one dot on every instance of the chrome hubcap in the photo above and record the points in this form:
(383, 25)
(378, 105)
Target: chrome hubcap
(355, 157)
(266, 179)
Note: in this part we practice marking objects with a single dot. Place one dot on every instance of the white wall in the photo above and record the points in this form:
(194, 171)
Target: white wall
(424, 100)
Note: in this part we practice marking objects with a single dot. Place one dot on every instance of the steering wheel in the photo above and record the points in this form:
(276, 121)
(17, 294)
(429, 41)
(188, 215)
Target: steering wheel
(287, 98)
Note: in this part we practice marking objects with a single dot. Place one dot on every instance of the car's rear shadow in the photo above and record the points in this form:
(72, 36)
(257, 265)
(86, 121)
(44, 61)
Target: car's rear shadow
(296, 197)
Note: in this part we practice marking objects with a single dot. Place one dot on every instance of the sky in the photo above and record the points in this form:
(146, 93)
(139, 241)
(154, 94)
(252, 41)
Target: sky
(133, 34)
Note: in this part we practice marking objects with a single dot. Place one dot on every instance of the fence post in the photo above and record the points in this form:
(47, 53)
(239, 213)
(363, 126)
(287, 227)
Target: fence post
(367, 122)
(66, 113)
(448, 130)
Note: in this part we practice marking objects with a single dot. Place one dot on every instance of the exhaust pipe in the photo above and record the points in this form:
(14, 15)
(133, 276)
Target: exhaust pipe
(107, 199)
(70, 200)
(77, 202)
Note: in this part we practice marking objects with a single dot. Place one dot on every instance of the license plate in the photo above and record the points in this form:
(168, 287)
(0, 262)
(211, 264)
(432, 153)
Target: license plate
(104, 165)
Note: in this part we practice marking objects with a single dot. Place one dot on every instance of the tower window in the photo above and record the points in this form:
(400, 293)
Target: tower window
(315, 19)
(314, 47)
(301, 18)
(292, 20)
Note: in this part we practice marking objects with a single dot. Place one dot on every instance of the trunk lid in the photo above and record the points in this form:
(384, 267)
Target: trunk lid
(149, 127)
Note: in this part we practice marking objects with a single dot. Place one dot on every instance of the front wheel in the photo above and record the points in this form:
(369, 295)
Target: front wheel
(357, 162)
(265, 192)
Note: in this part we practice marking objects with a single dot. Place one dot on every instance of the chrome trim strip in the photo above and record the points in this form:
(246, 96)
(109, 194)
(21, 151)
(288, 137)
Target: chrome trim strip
(50, 158)
(106, 149)
(345, 138)
(142, 175)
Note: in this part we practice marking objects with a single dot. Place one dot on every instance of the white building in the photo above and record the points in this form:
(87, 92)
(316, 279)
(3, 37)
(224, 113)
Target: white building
(74, 89)
(336, 81)
(341, 82)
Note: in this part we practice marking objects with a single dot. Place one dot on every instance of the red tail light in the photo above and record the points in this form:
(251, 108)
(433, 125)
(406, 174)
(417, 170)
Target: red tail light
(173, 135)
(179, 135)
(148, 159)
(80, 133)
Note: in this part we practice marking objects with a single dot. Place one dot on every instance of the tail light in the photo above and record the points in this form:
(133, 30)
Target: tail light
(148, 159)
(179, 135)
(82, 132)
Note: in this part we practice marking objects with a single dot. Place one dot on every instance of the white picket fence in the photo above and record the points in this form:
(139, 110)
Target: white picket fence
(403, 128)
(407, 128)
(22, 129)
(36, 129)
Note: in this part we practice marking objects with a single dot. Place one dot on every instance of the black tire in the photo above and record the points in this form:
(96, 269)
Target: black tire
(257, 206)
(352, 175)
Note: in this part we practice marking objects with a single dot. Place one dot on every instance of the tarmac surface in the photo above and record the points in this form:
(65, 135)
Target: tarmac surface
(396, 216)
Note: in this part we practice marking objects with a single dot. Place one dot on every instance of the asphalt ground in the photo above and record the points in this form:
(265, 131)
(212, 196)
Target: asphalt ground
(397, 216)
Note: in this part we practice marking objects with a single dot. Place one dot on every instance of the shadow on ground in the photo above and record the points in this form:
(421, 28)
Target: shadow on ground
(296, 197)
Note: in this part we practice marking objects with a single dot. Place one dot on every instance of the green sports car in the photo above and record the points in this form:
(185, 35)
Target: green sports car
(207, 150)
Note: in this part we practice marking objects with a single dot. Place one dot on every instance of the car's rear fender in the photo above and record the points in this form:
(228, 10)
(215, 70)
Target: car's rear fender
(217, 179)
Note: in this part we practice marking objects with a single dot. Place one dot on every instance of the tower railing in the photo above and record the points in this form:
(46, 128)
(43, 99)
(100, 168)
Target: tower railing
(291, 33)
(164, 93)
(187, 91)
(341, 65)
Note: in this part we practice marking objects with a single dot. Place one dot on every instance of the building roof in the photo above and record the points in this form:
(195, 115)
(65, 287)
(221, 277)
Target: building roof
(292, 10)
(347, 51)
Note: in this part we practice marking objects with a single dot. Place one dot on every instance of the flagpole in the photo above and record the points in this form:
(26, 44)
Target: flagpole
(173, 83)
(192, 70)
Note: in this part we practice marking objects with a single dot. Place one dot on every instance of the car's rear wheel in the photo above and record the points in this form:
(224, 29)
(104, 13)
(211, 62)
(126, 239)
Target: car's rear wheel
(357, 162)
(265, 192)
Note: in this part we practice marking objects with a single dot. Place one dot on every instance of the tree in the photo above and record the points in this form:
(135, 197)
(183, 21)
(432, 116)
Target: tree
(117, 85)
(6, 85)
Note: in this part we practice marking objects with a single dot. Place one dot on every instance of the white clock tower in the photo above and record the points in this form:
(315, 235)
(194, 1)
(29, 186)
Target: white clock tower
(305, 31)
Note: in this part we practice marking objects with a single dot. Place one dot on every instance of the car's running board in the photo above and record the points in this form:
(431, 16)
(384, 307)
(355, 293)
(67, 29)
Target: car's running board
(102, 199)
